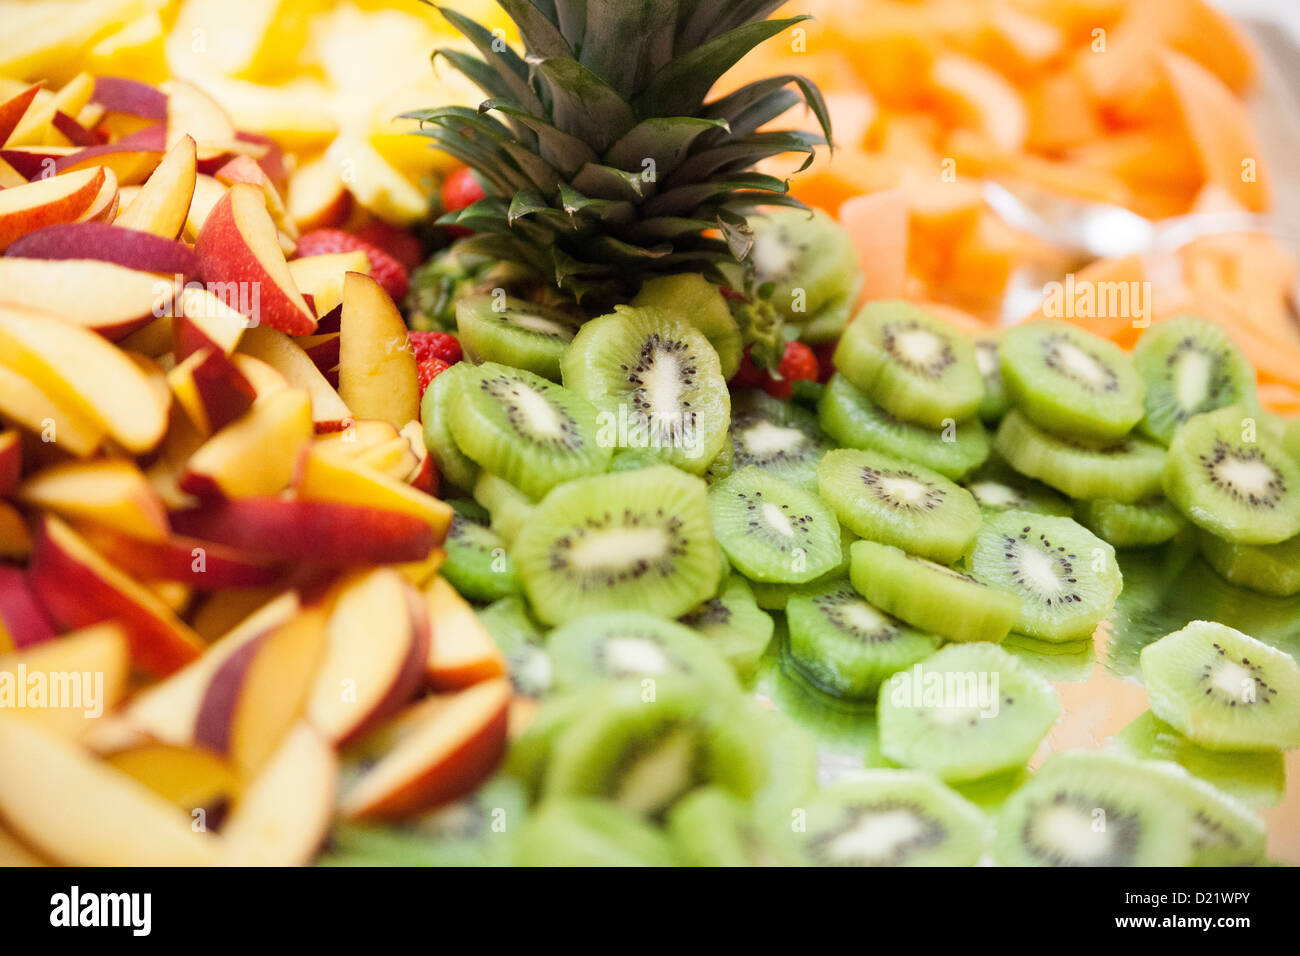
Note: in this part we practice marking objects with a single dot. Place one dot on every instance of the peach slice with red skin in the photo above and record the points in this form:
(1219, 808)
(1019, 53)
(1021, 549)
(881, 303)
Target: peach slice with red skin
(377, 370)
(132, 158)
(163, 202)
(211, 389)
(432, 753)
(11, 462)
(256, 454)
(107, 298)
(15, 538)
(23, 621)
(128, 248)
(238, 244)
(199, 564)
(104, 206)
(462, 652)
(42, 414)
(326, 475)
(112, 492)
(190, 778)
(46, 202)
(12, 110)
(118, 94)
(79, 588)
(288, 358)
(318, 198)
(100, 653)
(204, 321)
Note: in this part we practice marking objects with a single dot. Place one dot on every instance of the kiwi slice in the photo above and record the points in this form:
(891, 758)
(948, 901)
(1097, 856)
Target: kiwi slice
(771, 530)
(996, 486)
(828, 325)
(516, 333)
(1066, 576)
(645, 750)
(1137, 525)
(696, 300)
(1223, 689)
(734, 625)
(1085, 808)
(847, 646)
(809, 259)
(894, 502)
(791, 764)
(1266, 568)
(1063, 662)
(995, 403)
(590, 832)
(435, 414)
(710, 827)
(657, 381)
(854, 421)
(1257, 779)
(932, 597)
(527, 430)
(890, 818)
(1128, 469)
(779, 437)
(477, 564)
(477, 830)
(1232, 482)
(1291, 439)
(1190, 366)
(635, 540)
(508, 623)
(1071, 382)
(966, 712)
(911, 363)
(529, 754)
(723, 464)
(508, 507)
(1224, 831)
(632, 644)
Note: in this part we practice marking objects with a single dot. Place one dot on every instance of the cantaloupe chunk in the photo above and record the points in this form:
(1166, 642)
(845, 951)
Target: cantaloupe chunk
(878, 223)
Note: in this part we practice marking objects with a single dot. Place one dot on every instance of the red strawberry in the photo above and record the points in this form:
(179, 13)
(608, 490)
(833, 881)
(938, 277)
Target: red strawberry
(387, 271)
(428, 369)
(798, 363)
(825, 360)
(439, 345)
(398, 243)
(461, 189)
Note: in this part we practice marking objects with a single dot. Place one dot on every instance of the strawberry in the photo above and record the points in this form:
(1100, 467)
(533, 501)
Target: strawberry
(386, 270)
(459, 190)
(398, 243)
(825, 360)
(428, 369)
(439, 345)
(798, 363)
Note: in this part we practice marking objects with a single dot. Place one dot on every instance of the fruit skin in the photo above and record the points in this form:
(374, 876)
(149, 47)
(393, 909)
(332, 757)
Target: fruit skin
(798, 364)
(386, 270)
(428, 369)
(439, 345)
(459, 190)
(1268, 568)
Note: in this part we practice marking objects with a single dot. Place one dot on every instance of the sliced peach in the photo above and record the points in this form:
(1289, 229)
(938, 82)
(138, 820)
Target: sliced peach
(256, 454)
(112, 492)
(190, 778)
(103, 208)
(191, 112)
(131, 158)
(81, 812)
(83, 677)
(12, 110)
(85, 372)
(121, 95)
(11, 461)
(15, 538)
(324, 475)
(211, 389)
(207, 193)
(431, 753)
(285, 356)
(23, 622)
(203, 320)
(140, 251)
(14, 853)
(263, 377)
(245, 169)
(237, 244)
(163, 201)
(285, 812)
(461, 652)
(40, 413)
(45, 202)
(34, 126)
(79, 588)
(101, 296)
(377, 376)
(378, 637)
(318, 197)
(260, 691)
(199, 564)
(321, 276)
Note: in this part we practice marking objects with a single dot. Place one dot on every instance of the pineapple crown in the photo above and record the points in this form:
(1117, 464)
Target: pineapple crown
(602, 160)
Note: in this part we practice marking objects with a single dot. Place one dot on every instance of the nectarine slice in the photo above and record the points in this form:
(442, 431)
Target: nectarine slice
(461, 651)
(40, 413)
(288, 358)
(83, 677)
(163, 202)
(45, 202)
(112, 492)
(326, 475)
(377, 376)
(256, 454)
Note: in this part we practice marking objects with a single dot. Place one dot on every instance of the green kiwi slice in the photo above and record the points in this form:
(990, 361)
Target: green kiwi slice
(1067, 578)
(508, 507)
(1267, 568)
(723, 464)
(590, 832)
(520, 640)
(696, 300)
(516, 333)
(890, 818)
(1190, 366)
(1087, 808)
(1224, 831)
(932, 597)
(1232, 482)
(809, 259)
(966, 712)
(1291, 439)
(771, 530)
(645, 750)
(657, 381)
(779, 437)
(635, 540)
(995, 403)
(477, 564)
(1223, 689)
(899, 503)
(854, 421)
(997, 486)
(847, 646)
(1256, 778)
(791, 764)
(477, 830)
(529, 754)
(632, 644)
(1070, 382)
(435, 414)
(733, 624)
(1128, 469)
(1062, 662)
(710, 827)
(911, 363)
(527, 430)
(1141, 524)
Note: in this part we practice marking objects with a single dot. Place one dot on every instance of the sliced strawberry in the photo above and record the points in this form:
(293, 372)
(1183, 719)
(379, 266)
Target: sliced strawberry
(428, 370)
(439, 345)
(387, 271)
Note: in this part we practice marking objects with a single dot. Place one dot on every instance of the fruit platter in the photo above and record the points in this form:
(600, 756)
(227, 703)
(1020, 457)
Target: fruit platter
(646, 433)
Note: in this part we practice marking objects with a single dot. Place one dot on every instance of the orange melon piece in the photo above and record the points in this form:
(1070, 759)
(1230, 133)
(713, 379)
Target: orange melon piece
(892, 51)
(878, 223)
(1280, 399)
(969, 93)
(1060, 113)
(1143, 158)
(849, 172)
